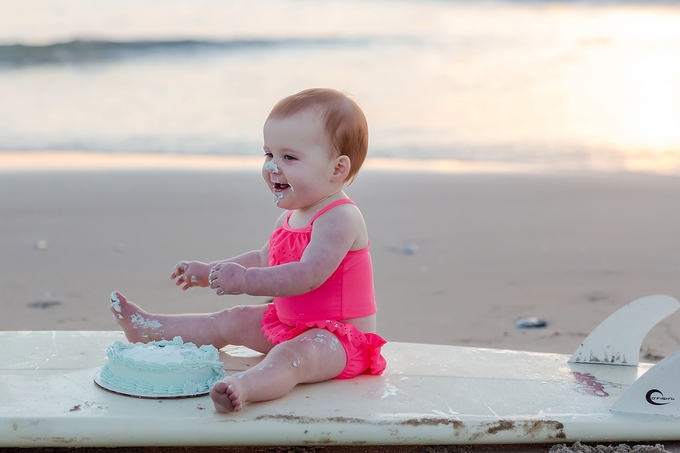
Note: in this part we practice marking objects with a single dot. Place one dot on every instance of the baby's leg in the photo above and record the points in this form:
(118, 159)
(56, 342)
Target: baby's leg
(314, 356)
(239, 325)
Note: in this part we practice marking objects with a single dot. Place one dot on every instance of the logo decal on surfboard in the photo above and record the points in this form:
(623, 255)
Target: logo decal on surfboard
(589, 384)
(655, 397)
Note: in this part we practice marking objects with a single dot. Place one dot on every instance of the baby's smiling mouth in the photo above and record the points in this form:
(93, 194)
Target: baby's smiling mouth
(279, 190)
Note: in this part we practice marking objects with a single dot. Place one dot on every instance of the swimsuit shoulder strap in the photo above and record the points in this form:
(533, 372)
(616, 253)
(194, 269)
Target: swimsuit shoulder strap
(329, 207)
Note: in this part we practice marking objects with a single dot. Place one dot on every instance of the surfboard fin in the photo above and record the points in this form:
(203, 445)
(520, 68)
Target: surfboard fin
(655, 392)
(617, 340)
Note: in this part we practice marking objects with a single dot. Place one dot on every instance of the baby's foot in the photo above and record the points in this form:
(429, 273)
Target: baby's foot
(137, 325)
(228, 395)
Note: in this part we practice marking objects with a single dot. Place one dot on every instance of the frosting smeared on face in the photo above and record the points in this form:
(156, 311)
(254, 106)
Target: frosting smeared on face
(277, 185)
(271, 167)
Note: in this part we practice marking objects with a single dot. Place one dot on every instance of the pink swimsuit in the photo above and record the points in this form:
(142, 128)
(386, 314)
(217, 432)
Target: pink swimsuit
(347, 293)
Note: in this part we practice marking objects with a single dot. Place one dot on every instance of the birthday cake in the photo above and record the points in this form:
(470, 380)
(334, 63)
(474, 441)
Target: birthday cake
(160, 368)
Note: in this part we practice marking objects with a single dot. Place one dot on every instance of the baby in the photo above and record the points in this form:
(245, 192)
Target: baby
(316, 264)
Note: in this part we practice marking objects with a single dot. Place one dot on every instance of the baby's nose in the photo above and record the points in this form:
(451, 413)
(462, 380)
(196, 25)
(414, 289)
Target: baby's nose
(271, 167)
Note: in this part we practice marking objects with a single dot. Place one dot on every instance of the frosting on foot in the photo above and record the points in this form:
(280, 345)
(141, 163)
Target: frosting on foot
(137, 325)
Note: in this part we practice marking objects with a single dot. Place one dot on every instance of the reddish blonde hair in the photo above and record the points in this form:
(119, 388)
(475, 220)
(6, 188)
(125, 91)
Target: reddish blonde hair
(344, 122)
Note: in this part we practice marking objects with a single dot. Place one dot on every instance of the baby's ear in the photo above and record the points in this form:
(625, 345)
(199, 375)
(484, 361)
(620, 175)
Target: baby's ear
(342, 167)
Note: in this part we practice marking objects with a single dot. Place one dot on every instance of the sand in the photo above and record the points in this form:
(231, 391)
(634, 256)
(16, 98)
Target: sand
(459, 256)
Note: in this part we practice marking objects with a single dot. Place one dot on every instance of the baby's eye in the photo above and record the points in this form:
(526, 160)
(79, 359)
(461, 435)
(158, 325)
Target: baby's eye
(289, 157)
(268, 156)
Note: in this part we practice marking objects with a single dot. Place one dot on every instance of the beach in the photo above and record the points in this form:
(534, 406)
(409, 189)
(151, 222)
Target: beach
(459, 255)
(523, 161)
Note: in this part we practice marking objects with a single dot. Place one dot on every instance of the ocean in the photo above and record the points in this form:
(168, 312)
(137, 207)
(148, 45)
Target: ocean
(558, 85)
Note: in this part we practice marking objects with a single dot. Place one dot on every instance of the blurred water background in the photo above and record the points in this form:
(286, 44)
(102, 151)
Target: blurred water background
(565, 85)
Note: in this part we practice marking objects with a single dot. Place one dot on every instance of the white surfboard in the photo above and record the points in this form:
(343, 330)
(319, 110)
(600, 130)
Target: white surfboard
(429, 394)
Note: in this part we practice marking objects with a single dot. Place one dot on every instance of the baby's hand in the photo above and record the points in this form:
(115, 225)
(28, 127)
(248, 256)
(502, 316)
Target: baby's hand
(227, 278)
(188, 274)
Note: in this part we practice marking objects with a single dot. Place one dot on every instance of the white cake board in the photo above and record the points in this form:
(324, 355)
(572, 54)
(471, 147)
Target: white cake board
(100, 382)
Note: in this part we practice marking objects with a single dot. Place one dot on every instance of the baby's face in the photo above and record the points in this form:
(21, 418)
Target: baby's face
(298, 160)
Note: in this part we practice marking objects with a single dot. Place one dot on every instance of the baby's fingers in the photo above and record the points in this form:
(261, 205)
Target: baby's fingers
(180, 269)
(187, 282)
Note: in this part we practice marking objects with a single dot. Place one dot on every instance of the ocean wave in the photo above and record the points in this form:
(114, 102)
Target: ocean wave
(96, 51)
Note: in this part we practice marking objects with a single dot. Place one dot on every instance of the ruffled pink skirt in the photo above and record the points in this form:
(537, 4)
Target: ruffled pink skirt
(363, 349)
